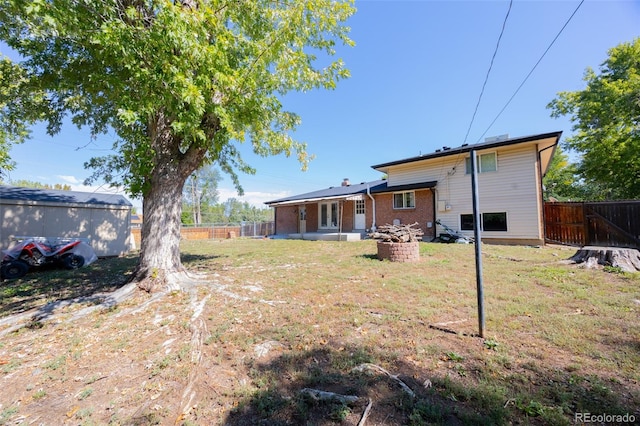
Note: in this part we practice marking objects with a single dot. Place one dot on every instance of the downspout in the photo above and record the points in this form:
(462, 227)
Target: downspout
(544, 218)
(435, 209)
(341, 209)
(373, 209)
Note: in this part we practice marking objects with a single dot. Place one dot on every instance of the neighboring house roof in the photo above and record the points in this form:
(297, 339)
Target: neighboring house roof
(37, 195)
(343, 192)
(493, 143)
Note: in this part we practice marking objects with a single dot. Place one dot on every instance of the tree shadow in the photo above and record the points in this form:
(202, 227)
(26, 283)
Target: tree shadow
(368, 256)
(48, 286)
(281, 398)
(281, 394)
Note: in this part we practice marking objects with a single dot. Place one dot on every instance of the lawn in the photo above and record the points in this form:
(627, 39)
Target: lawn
(269, 323)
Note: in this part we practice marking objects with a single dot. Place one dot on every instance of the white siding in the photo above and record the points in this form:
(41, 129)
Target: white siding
(513, 188)
(106, 228)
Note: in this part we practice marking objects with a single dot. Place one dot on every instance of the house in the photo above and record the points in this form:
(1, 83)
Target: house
(102, 220)
(436, 186)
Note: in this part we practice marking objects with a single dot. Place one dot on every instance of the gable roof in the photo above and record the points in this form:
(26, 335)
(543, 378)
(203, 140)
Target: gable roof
(38, 195)
(552, 137)
(344, 192)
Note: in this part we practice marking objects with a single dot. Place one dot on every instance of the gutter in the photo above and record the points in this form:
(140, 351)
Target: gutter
(373, 201)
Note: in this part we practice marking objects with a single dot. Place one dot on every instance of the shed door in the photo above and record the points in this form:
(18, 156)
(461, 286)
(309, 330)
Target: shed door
(359, 221)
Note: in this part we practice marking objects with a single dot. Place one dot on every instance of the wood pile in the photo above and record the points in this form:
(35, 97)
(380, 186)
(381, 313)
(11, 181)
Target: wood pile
(398, 233)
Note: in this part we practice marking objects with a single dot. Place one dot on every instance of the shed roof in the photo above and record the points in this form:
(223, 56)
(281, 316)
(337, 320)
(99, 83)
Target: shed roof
(343, 192)
(38, 195)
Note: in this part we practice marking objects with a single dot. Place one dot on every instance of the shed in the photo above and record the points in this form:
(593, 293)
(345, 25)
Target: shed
(104, 220)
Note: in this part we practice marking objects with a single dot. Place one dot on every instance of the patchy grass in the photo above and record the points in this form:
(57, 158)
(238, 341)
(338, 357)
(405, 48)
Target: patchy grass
(281, 316)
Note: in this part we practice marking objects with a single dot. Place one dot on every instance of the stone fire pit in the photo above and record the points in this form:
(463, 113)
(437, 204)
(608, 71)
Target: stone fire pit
(398, 243)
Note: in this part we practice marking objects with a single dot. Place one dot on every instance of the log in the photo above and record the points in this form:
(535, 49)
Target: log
(320, 395)
(627, 259)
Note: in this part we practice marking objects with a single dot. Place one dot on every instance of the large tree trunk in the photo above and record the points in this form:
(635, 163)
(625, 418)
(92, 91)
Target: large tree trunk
(162, 206)
(160, 248)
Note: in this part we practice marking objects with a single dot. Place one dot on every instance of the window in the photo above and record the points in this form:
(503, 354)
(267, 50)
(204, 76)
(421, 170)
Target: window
(404, 200)
(490, 221)
(486, 163)
(466, 222)
(494, 222)
(359, 206)
(329, 215)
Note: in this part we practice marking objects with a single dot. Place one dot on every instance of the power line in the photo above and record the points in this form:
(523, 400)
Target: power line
(504, 24)
(532, 69)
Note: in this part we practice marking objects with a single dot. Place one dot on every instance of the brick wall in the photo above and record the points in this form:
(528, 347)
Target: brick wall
(422, 213)
(287, 219)
(348, 212)
(399, 252)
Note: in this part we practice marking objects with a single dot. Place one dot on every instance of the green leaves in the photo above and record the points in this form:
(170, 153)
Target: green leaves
(177, 84)
(606, 117)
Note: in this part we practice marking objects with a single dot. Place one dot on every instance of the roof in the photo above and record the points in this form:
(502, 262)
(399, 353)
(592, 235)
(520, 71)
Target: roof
(344, 192)
(38, 195)
(490, 144)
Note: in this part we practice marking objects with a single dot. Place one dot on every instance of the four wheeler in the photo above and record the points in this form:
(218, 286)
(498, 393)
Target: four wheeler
(33, 252)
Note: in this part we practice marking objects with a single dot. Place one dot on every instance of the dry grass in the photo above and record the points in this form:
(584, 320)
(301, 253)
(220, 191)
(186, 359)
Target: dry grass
(280, 316)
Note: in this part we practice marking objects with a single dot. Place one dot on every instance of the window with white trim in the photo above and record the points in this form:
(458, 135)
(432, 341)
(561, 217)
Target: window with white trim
(486, 163)
(404, 200)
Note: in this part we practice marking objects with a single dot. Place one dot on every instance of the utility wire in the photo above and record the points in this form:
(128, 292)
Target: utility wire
(531, 72)
(504, 24)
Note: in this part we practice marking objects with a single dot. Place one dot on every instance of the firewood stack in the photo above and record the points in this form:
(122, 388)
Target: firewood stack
(397, 233)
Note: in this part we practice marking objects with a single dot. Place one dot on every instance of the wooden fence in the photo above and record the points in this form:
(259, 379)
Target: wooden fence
(214, 231)
(608, 224)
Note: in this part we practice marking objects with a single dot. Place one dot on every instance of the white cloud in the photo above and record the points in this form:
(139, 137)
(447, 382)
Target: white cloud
(254, 198)
(70, 179)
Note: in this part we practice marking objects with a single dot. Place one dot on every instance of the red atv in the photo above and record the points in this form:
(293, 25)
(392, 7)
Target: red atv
(37, 252)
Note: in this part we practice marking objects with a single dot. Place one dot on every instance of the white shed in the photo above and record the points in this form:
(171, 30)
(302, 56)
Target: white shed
(103, 220)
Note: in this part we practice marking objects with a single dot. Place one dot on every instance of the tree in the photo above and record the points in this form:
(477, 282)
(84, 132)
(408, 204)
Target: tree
(181, 84)
(606, 117)
(200, 190)
(33, 184)
(559, 181)
(563, 183)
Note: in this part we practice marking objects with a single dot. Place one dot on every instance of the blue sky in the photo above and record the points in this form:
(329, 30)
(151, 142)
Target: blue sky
(417, 70)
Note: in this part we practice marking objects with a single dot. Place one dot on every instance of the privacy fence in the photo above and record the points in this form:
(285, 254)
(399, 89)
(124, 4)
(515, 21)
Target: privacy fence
(608, 223)
(212, 231)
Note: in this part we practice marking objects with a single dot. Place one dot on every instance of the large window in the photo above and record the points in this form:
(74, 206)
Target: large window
(404, 200)
(489, 221)
(486, 163)
(329, 215)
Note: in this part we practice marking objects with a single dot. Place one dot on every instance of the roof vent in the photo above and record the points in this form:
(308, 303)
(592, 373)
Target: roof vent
(497, 138)
(446, 148)
(465, 144)
(438, 150)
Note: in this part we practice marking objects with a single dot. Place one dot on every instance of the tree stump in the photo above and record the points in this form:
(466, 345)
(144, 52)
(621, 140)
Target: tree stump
(627, 259)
